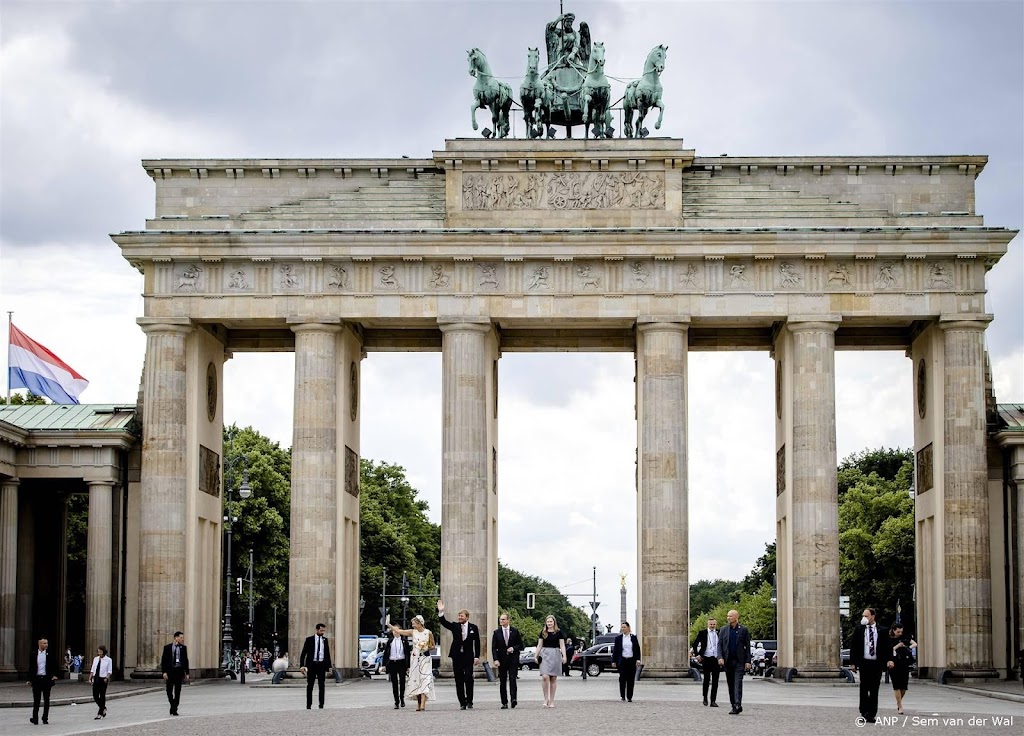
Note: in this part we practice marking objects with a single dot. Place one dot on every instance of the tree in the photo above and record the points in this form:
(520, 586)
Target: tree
(23, 399)
(263, 527)
(512, 589)
(884, 462)
(756, 612)
(706, 594)
(396, 537)
(763, 572)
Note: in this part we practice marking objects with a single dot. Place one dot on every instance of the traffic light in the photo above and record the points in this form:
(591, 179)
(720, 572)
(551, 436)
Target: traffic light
(239, 581)
(531, 601)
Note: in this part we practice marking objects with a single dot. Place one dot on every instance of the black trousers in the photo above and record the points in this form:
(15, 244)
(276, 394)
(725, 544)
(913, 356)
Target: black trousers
(397, 673)
(41, 689)
(870, 679)
(711, 671)
(99, 693)
(174, 679)
(463, 669)
(315, 672)
(507, 682)
(627, 677)
(734, 679)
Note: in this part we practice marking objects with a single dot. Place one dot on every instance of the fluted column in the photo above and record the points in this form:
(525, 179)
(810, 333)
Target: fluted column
(163, 490)
(662, 537)
(464, 469)
(8, 574)
(968, 584)
(312, 579)
(1017, 478)
(815, 515)
(98, 561)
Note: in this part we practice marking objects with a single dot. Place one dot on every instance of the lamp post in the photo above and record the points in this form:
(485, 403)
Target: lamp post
(405, 599)
(362, 605)
(244, 491)
(251, 581)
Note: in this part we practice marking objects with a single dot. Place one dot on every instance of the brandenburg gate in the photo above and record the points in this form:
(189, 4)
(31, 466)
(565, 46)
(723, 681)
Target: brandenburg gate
(634, 245)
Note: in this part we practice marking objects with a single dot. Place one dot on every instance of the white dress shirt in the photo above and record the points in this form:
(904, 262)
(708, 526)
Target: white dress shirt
(318, 655)
(627, 646)
(106, 667)
(505, 629)
(397, 651)
(711, 650)
(41, 663)
(870, 636)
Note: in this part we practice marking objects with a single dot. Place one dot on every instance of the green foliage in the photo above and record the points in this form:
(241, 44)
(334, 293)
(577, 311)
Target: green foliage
(529, 627)
(756, 612)
(763, 572)
(23, 399)
(396, 536)
(876, 534)
(706, 594)
(263, 527)
(512, 589)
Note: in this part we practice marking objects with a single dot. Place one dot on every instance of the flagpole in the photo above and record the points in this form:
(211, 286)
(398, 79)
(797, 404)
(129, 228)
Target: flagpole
(10, 323)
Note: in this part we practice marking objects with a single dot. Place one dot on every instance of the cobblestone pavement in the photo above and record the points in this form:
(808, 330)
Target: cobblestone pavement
(589, 708)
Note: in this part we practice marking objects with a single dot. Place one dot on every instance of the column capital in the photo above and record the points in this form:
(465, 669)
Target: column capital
(656, 323)
(159, 325)
(326, 324)
(813, 323)
(97, 483)
(464, 324)
(9, 482)
(977, 322)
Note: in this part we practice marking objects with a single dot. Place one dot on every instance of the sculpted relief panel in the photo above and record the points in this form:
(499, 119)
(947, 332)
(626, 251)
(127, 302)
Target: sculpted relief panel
(564, 191)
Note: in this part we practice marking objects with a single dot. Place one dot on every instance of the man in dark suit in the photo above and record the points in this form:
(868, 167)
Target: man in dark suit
(871, 653)
(626, 657)
(464, 653)
(705, 646)
(734, 658)
(506, 646)
(174, 666)
(43, 671)
(397, 653)
(315, 663)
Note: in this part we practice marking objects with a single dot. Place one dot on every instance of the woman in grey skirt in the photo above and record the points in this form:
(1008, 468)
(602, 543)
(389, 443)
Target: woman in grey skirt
(551, 656)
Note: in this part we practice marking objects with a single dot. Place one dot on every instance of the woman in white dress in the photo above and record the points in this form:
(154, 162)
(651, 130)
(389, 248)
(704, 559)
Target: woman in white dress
(421, 665)
(551, 656)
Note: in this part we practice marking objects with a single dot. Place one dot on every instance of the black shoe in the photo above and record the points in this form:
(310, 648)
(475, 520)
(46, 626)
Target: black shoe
(396, 706)
(321, 707)
(623, 699)
(705, 701)
(734, 712)
(34, 721)
(630, 700)
(469, 705)
(173, 714)
(308, 707)
(714, 705)
(513, 704)
(739, 708)
(504, 706)
(869, 720)
(46, 722)
(403, 702)
(462, 707)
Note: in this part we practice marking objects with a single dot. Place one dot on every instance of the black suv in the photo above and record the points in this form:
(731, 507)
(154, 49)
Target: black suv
(595, 660)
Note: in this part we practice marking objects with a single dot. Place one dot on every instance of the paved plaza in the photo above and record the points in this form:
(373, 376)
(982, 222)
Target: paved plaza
(590, 708)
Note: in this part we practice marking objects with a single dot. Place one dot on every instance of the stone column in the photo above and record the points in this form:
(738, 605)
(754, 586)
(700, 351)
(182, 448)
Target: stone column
(464, 471)
(8, 575)
(24, 619)
(1017, 478)
(815, 516)
(968, 588)
(662, 501)
(98, 561)
(312, 579)
(163, 490)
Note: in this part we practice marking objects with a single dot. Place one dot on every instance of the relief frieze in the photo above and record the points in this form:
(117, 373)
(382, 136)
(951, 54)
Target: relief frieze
(564, 191)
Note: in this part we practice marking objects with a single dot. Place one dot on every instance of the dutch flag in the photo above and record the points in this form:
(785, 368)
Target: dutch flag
(34, 367)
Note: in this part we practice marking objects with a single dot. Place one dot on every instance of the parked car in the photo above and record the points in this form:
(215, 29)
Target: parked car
(844, 657)
(595, 660)
(526, 659)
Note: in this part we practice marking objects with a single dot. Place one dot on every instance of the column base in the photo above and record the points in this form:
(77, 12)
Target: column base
(664, 673)
(829, 676)
(952, 676)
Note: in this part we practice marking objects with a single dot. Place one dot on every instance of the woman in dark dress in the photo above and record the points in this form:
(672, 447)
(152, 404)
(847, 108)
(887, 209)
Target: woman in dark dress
(899, 675)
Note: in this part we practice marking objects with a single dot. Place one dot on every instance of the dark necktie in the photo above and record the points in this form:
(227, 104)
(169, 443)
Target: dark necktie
(318, 656)
(871, 641)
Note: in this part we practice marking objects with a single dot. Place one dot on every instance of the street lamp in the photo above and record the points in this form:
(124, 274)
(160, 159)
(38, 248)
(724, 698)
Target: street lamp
(405, 599)
(244, 491)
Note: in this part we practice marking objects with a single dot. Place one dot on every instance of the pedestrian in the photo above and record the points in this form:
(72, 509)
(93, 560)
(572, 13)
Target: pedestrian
(758, 658)
(734, 658)
(506, 646)
(315, 663)
(871, 657)
(903, 658)
(464, 653)
(43, 669)
(551, 656)
(76, 664)
(420, 683)
(626, 658)
(705, 646)
(397, 654)
(175, 669)
(99, 676)
(280, 667)
(569, 651)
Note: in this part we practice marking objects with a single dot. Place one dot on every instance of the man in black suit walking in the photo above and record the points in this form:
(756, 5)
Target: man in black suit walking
(705, 646)
(174, 666)
(464, 653)
(734, 658)
(506, 646)
(626, 657)
(315, 663)
(42, 673)
(871, 652)
(397, 653)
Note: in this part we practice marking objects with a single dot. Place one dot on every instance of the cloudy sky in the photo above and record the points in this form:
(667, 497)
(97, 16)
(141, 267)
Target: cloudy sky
(91, 88)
